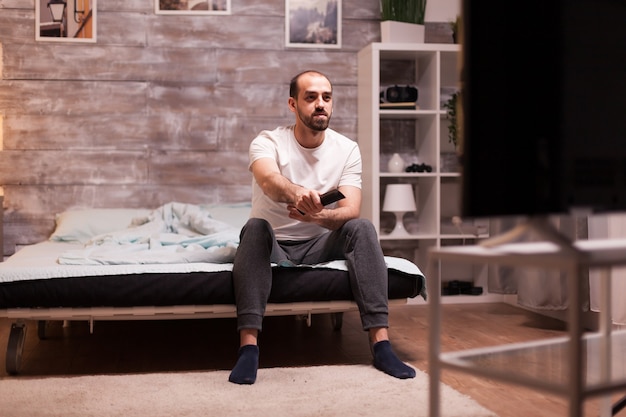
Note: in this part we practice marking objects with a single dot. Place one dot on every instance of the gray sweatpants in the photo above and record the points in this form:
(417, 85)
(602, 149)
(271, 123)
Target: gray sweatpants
(356, 242)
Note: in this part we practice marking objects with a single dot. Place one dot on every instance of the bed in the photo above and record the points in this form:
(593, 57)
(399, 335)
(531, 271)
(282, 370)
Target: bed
(172, 262)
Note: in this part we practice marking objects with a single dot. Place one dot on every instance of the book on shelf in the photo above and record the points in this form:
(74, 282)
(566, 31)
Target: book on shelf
(403, 105)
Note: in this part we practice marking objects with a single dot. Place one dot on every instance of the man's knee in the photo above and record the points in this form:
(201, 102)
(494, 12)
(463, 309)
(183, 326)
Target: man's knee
(256, 227)
(360, 226)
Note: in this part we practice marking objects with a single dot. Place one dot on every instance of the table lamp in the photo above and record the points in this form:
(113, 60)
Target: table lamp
(399, 199)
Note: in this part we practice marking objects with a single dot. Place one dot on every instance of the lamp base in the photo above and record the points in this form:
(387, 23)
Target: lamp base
(399, 230)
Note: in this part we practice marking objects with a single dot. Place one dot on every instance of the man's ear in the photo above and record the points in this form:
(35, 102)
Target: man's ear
(292, 104)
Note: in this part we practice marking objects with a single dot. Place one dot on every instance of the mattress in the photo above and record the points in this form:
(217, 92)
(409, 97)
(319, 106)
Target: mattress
(33, 278)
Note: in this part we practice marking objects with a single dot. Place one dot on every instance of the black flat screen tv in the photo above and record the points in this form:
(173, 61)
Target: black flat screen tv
(544, 107)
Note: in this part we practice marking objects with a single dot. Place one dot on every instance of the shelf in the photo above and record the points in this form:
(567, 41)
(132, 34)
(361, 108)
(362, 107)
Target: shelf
(543, 364)
(459, 236)
(416, 236)
(462, 299)
(408, 175)
(406, 114)
(401, 50)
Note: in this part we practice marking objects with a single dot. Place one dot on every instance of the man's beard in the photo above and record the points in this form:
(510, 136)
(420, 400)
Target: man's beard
(315, 124)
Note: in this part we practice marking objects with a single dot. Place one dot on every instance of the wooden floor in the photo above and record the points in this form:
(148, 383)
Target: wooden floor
(160, 346)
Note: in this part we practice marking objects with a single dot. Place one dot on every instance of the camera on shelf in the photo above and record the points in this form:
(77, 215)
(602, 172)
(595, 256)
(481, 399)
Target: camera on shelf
(398, 94)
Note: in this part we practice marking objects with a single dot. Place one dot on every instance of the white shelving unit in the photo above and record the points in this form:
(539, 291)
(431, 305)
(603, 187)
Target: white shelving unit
(420, 136)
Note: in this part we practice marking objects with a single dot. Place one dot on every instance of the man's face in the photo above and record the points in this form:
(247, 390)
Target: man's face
(314, 104)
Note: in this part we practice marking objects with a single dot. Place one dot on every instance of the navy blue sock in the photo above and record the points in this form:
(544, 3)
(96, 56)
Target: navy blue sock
(247, 364)
(386, 360)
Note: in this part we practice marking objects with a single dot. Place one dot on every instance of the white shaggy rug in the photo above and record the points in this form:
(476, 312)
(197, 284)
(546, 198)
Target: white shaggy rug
(324, 391)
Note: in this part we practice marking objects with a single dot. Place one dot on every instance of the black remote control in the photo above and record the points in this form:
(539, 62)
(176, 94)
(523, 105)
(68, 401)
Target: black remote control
(331, 196)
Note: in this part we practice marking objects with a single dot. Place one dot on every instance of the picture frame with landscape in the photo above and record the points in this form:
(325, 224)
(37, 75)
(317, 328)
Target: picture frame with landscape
(192, 7)
(313, 23)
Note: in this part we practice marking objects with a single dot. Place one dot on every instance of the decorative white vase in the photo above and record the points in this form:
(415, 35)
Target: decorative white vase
(396, 164)
(392, 31)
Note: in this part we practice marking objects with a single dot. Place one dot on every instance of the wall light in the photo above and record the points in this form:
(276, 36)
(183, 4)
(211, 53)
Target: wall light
(57, 10)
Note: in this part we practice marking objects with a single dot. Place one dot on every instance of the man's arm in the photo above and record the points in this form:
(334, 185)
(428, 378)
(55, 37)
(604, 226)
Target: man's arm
(302, 200)
(347, 209)
(274, 184)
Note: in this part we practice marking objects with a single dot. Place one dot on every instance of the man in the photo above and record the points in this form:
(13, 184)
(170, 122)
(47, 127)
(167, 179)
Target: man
(288, 224)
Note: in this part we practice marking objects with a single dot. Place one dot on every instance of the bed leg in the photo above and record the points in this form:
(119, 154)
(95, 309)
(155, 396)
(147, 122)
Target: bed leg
(305, 317)
(337, 320)
(15, 347)
(41, 329)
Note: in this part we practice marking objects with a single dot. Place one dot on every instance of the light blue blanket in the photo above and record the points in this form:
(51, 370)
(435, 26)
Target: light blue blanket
(173, 233)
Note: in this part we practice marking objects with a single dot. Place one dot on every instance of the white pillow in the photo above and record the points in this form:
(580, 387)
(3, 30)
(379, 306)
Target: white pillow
(80, 225)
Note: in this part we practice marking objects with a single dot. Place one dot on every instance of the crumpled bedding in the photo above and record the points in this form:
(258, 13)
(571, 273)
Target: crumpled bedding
(172, 233)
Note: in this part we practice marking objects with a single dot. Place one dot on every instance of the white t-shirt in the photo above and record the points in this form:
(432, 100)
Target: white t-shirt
(336, 162)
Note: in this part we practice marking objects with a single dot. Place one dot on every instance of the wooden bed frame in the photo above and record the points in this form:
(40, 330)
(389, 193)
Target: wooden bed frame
(17, 336)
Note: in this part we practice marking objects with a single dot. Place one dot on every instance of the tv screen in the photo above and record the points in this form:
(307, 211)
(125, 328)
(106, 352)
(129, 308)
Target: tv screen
(544, 107)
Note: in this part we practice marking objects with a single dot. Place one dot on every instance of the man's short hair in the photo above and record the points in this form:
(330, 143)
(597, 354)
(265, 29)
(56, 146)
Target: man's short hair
(293, 85)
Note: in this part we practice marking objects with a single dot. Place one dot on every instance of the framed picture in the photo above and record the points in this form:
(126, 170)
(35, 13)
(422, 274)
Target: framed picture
(65, 20)
(313, 23)
(192, 7)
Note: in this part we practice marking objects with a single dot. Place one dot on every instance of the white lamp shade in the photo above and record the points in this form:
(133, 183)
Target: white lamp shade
(399, 198)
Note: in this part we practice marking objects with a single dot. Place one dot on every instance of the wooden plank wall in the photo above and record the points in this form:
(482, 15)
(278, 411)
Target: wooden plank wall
(161, 108)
